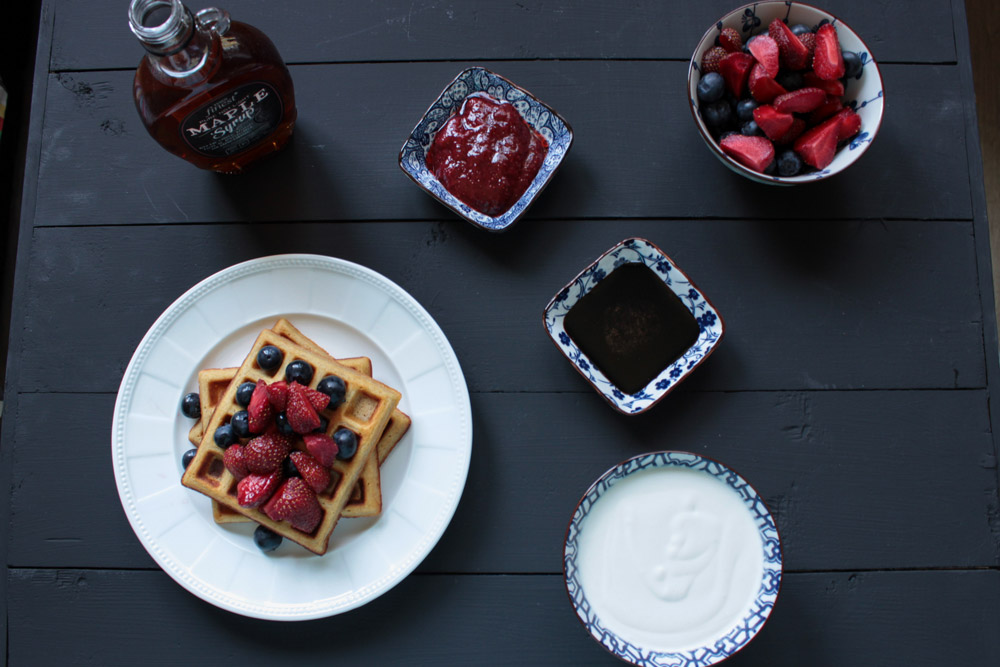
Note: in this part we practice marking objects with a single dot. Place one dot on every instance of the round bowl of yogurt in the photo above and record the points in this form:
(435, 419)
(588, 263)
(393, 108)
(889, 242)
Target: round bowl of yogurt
(672, 558)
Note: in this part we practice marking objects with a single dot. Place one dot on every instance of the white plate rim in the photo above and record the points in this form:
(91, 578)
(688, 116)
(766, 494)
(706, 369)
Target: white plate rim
(123, 401)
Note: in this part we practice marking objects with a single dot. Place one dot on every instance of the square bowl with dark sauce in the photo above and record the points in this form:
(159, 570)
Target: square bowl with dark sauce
(486, 148)
(633, 324)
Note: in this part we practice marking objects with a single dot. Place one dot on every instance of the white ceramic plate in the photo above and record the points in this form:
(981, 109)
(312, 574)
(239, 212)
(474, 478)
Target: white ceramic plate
(350, 311)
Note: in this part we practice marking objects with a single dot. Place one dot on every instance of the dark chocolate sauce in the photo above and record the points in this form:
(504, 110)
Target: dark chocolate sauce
(631, 325)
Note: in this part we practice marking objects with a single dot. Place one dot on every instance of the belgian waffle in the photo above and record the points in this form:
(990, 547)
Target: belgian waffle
(366, 410)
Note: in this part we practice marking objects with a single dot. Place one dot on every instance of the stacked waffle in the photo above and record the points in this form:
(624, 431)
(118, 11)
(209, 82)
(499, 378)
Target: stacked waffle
(368, 411)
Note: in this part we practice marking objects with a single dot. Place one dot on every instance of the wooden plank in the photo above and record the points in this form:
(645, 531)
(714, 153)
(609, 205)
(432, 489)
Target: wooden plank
(636, 154)
(894, 479)
(855, 305)
(97, 37)
(117, 618)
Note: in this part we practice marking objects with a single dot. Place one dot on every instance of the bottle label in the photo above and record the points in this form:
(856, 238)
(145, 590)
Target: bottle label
(235, 121)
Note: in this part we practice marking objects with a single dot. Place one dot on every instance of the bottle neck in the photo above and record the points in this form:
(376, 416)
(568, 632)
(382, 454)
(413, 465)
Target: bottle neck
(178, 43)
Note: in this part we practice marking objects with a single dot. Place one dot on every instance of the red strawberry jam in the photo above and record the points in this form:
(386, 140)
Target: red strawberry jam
(486, 154)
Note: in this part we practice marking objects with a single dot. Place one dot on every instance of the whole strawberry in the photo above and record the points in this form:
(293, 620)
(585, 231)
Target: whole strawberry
(710, 61)
(730, 40)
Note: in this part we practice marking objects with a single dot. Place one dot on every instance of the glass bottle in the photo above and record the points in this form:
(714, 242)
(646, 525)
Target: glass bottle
(212, 91)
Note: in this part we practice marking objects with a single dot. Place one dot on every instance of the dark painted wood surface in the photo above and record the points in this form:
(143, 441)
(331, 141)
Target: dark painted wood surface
(853, 388)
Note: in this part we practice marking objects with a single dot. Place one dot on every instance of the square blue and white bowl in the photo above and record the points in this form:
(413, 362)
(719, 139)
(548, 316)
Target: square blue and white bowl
(863, 93)
(541, 117)
(636, 250)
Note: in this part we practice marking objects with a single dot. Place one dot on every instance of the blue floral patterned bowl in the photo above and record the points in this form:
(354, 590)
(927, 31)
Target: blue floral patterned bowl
(544, 119)
(635, 250)
(672, 559)
(862, 93)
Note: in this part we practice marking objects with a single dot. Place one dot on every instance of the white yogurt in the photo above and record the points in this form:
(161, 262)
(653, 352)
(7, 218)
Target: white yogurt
(670, 558)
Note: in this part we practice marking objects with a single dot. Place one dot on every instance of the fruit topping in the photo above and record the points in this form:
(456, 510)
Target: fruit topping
(324, 424)
(296, 503)
(797, 128)
(301, 414)
(269, 358)
(765, 50)
(188, 457)
(852, 64)
(260, 411)
(818, 146)
(264, 454)
(753, 152)
(711, 59)
(277, 395)
(315, 475)
(794, 54)
(802, 100)
(244, 392)
(835, 87)
(317, 399)
(254, 490)
(711, 88)
(774, 123)
(347, 440)
(191, 406)
(828, 62)
(241, 424)
(809, 41)
(266, 539)
(744, 108)
(299, 371)
(333, 387)
(762, 87)
(718, 114)
(281, 421)
(735, 70)
(730, 40)
(825, 110)
(235, 462)
(850, 124)
(288, 468)
(789, 163)
(322, 448)
(750, 129)
(224, 436)
(800, 29)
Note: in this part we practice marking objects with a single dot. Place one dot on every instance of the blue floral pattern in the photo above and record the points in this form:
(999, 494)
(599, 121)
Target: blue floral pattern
(544, 119)
(632, 251)
(743, 630)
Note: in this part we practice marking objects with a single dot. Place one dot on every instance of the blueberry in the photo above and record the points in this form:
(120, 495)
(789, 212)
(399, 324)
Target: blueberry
(191, 405)
(241, 424)
(789, 163)
(244, 392)
(266, 539)
(771, 168)
(711, 88)
(269, 357)
(799, 29)
(299, 371)
(188, 457)
(288, 468)
(790, 80)
(224, 436)
(718, 115)
(852, 64)
(283, 426)
(333, 387)
(347, 443)
(750, 129)
(744, 109)
(324, 424)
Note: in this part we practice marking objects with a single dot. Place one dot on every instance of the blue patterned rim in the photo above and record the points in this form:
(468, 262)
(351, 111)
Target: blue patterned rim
(543, 118)
(721, 647)
(636, 250)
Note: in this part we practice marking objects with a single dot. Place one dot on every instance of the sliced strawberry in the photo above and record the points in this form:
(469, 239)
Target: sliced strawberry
(825, 110)
(322, 447)
(301, 414)
(808, 40)
(735, 69)
(802, 100)
(277, 395)
(234, 461)
(774, 123)
(317, 399)
(794, 53)
(296, 503)
(793, 133)
(753, 152)
(711, 59)
(730, 40)
(828, 61)
(260, 412)
(818, 146)
(850, 124)
(253, 490)
(765, 50)
(834, 88)
(315, 475)
(265, 453)
(762, 87)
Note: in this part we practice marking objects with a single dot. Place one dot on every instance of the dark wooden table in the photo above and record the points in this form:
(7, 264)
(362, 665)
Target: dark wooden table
(853, 387)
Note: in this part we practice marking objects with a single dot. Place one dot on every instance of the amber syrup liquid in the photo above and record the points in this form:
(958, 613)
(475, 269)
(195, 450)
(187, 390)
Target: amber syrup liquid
(632, 326)
(241, 56)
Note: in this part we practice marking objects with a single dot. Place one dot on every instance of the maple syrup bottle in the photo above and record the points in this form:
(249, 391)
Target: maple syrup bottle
(212, 91)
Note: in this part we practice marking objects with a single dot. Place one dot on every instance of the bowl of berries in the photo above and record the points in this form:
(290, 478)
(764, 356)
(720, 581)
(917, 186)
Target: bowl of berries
(784, 93)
